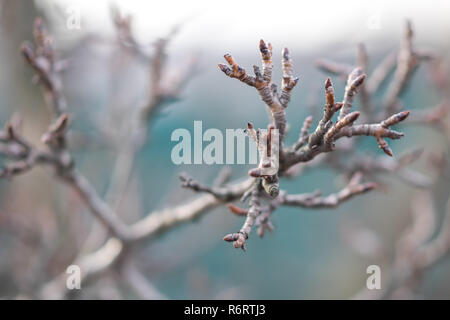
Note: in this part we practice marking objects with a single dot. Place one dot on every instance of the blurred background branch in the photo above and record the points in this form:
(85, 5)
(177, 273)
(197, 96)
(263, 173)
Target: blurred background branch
(112, 88)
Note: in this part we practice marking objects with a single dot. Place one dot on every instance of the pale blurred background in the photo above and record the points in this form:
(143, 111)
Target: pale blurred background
(307, 255)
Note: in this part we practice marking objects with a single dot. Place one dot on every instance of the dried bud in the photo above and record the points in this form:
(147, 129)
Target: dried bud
(358, 81)
(236, 210)
(394, 119)
(225, 69)
(382, 144)
(352, 116)
(329, 93)
(285, 53)
(388, 150)
(265, 49)
(231, 237)
(328, 83)
(402, 115)
(256, 172)
(338, 105)
(229, 59)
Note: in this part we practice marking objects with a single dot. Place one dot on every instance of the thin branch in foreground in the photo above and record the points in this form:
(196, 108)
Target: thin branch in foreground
(240, 237)
(354, 187)
(307, 147)
(379, 131)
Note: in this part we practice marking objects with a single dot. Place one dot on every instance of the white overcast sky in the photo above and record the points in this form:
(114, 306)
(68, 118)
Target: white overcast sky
(307, 23)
